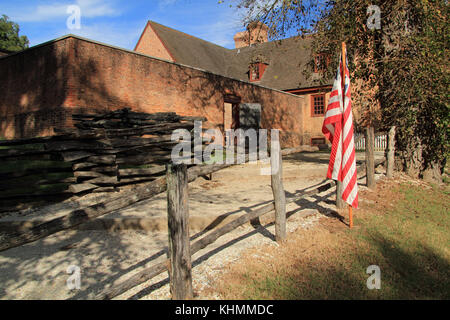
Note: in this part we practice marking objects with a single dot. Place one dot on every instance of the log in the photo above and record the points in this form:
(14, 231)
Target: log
(83, 165)
(105, 169)
(109, 159)
(70, 156)
(178, 226)
(8, 185)
(307, 148)
(34, 171)
(140, 141)
(104, 189)
(125, 181)
(81, 187)
(138, 172)
(87, 174)
(164, 128)
(26, 141)
(390, 163)
(370, 157)
(103, 181)
(9, 153)
(193, 118)
(143, 159)
(33, 195)
(279, 196)
(76, 145)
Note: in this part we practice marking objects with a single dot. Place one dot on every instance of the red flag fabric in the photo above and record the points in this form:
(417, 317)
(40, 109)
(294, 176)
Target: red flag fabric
(338, 128)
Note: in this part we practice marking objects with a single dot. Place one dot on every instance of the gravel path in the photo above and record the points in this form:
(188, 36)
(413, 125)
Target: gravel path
(39, 270)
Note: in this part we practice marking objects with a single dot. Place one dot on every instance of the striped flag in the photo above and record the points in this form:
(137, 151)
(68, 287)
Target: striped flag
(338, 128)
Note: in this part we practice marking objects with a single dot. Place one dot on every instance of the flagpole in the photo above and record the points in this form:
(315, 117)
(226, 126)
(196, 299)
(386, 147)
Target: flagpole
(344, 48)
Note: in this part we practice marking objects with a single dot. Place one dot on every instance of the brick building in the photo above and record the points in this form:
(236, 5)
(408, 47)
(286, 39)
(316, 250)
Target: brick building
(168, 71)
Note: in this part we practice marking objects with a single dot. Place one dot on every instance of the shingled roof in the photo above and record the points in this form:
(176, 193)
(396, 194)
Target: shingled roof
(193, 51)
(286, 59)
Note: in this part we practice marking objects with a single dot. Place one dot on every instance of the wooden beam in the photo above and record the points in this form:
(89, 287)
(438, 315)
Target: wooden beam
(178, 222)
(279, 196)
(370, 157)
(340, 203)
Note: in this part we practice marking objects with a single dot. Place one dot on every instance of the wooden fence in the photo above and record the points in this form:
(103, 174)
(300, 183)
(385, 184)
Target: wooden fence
(102, 153)
(381, 141)
(175, 182)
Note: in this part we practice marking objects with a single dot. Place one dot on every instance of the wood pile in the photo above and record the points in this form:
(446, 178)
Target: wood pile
(102, 152)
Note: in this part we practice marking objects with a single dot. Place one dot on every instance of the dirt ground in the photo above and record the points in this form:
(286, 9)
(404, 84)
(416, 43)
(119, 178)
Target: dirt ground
(39, 270)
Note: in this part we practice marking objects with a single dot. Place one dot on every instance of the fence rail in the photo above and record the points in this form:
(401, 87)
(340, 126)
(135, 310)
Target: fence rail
(102, 153)
(175, 183)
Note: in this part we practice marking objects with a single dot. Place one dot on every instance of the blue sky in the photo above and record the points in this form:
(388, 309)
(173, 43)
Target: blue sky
(120, 23)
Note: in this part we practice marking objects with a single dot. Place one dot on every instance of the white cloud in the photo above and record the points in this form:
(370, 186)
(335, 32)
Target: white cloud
(89, 9)
(223, 30)
(113, 34)
(97, 8)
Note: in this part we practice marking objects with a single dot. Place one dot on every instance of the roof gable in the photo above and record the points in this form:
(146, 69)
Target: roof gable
(287, 59)
(192, 51)
(151, 44)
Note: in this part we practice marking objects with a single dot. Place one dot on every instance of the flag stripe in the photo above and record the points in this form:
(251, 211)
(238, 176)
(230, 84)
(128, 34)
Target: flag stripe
(338, 128)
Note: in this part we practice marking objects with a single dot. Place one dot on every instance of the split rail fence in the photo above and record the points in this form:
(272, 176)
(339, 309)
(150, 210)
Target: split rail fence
(103, 153)
(175, 183)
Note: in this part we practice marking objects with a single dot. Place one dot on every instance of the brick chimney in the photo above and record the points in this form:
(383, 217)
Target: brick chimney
(257, 32)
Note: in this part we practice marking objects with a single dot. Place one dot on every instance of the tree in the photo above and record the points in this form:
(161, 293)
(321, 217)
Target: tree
(399, 71)
(9, 36)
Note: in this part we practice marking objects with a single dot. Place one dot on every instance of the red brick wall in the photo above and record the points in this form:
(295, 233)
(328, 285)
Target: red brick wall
(80, 74)
(150, 44)
(33, 87)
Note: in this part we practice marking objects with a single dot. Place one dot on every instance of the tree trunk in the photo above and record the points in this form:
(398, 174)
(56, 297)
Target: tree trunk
(414, 160)
(370, 157)
(390, 153)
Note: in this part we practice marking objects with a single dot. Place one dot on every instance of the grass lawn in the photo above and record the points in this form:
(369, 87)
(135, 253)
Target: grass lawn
(402, 227)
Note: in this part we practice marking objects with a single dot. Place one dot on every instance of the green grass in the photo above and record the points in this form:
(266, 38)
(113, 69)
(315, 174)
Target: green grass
(409, 241)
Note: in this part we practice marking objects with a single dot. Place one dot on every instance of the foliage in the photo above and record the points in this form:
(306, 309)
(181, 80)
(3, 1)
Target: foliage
(399, 72)
(9, 36)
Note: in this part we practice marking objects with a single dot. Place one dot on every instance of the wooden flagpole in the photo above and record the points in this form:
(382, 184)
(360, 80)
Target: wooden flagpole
(344, 49)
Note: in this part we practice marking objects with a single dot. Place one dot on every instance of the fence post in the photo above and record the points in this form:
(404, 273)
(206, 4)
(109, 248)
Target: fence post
(178, 223)
(370, 157)
(390, 153)
(276, 163)
(340, 203)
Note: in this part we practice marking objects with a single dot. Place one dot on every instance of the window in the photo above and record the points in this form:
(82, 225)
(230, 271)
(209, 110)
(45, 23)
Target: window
(321, 62)
(257, 70)
(317, 105)
(317, 141)
(255, 73)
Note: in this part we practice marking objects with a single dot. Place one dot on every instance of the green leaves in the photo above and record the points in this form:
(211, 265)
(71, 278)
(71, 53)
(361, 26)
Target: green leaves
(400, 73)
(9, 36)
